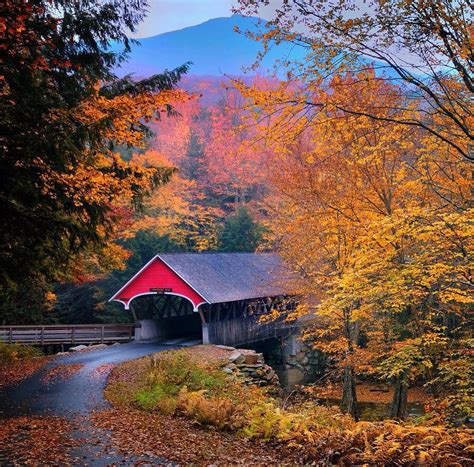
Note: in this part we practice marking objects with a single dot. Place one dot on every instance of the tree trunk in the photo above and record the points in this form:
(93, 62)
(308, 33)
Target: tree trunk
(349, 395)
(400, 398)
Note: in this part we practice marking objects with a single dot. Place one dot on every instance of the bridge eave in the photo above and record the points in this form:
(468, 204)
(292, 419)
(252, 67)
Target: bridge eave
(157, 278)
(126, 303)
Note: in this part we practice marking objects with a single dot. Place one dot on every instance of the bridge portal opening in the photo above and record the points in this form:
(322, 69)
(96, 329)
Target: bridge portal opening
(166, 317)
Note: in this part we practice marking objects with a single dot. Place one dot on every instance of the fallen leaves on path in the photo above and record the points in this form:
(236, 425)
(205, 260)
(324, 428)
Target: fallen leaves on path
(137, 433)
(13, 372)
(35, 441)
(61, 372)
(102, 371)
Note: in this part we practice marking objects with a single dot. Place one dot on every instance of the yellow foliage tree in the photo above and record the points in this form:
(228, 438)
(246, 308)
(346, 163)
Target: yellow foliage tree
(376, 218)
(175, 210)
(103, 178)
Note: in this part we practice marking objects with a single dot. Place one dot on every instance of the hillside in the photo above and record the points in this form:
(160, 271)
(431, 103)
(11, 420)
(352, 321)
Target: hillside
(214, 48)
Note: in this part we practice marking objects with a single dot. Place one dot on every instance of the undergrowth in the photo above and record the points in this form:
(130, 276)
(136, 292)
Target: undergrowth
(176, 383)
(14, 352)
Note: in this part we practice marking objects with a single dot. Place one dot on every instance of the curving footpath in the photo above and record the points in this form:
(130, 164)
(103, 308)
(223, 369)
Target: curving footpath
(77, 397)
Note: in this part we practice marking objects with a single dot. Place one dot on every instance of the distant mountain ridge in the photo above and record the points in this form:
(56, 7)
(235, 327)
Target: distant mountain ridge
(214, 48)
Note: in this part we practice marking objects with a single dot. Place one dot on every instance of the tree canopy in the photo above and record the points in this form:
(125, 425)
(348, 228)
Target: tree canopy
(423, 46)
(64, 113)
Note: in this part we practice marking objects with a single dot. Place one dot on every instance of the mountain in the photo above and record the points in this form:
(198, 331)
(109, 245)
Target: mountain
(213, 46)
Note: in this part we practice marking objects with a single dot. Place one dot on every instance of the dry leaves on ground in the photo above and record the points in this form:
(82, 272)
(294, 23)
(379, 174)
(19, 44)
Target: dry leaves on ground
(134, 432)
(61, 372)
(35, 441)
(102, 371)
(13, 372)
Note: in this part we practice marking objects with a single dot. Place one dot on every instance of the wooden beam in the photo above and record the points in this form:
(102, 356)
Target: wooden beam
(201, 314)
(132, 310)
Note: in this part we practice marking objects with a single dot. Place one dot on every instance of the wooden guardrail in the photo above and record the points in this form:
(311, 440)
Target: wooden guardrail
(67, 334)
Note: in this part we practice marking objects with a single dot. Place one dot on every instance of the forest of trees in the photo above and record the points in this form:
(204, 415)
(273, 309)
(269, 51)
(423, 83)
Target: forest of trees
(356, 168)
(82, 152)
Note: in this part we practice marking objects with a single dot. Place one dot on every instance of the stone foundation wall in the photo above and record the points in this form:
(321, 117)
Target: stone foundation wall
(290, 362)
(301, 363)
(304, 362)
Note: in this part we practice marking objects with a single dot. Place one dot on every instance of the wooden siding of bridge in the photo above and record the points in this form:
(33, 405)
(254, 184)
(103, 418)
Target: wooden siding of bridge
(240, 331)
(67, 334)
(242, 322)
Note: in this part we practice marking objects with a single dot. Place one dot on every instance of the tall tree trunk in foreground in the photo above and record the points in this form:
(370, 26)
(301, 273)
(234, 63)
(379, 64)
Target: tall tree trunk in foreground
(349, 395)
(400, 398)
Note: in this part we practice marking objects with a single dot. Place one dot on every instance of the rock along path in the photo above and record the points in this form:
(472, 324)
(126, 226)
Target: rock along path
(77, 397)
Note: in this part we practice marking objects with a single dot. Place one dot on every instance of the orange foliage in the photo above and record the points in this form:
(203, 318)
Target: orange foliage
(375, 217)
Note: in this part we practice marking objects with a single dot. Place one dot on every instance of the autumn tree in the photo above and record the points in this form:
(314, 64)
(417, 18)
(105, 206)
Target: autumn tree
(235, 165)
(240, 232)
(423, 46)
(63, 114)
(178, 211)
(376, 221)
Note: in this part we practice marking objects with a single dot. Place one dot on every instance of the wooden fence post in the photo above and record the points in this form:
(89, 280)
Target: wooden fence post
(73, 335)
(42, 335)
(11, 336)
(102, 335)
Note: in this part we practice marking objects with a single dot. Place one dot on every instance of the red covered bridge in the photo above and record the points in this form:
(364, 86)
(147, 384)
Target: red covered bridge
(218, 297)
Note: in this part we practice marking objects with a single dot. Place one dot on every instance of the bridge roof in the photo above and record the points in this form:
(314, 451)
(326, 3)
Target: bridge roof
(210, 277)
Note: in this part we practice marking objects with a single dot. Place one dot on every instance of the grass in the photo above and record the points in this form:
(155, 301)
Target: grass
(180, 382)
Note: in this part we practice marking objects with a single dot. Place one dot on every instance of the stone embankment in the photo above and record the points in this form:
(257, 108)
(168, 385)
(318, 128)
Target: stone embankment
(250, 367)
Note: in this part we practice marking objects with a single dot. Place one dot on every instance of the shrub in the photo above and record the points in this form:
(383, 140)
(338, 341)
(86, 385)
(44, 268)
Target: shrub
(220, 412)
(173, 373)
(269, 422)
(179, 369)
(14, 352)
(392, 443)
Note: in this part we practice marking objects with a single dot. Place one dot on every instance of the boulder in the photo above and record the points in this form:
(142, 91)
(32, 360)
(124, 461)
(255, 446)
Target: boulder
(246, 366)
(225, 347)
(237, 358)
(78, 348)
(252, 359)
(97, 346)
